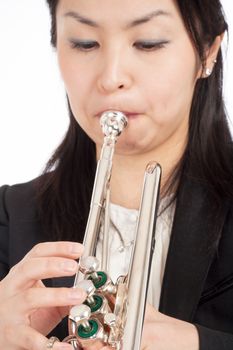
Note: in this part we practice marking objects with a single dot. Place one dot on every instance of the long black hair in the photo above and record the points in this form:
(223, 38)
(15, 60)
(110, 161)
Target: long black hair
(66, 186)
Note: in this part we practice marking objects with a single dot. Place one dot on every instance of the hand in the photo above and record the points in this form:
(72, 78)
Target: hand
(162, 332)
(29, 310)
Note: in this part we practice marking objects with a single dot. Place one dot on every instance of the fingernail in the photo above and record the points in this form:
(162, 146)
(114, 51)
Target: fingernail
(62, 346)
(69, 266)
(76, 294)
(77, 248)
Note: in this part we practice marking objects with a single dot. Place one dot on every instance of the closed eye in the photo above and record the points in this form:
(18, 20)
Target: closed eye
(150, 45)
(145, 45)
(84, 45)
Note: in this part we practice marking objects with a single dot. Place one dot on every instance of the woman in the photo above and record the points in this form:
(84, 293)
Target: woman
(160, 63)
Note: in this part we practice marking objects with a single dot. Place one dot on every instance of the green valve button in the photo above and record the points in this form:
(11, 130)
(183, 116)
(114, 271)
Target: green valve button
(96, 305)
(102, 279)
(84, 333)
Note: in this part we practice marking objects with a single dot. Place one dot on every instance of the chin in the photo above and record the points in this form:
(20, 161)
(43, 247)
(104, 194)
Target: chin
(128, 148)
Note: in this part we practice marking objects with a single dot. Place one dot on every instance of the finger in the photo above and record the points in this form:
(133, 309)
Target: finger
(28, 338)
(97, 345)
(150, 312)
(27, 272)
(51, 318)
(62, 249)
(153, 315)
(35, 298)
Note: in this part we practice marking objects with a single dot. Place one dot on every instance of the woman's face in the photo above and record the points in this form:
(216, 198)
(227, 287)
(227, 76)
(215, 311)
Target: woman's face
(129, 55)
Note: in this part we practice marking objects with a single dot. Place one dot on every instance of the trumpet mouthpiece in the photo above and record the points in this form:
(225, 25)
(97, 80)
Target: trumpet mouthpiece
(113, 123)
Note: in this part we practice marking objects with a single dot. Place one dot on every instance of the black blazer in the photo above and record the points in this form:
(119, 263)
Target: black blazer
(198, 279)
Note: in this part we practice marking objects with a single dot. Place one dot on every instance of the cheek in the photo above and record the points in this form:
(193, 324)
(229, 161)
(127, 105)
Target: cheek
(170, 89)
(73, 76)
(78, 86)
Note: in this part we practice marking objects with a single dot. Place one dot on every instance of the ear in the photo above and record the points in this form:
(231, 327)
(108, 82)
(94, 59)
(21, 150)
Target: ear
(211, 56)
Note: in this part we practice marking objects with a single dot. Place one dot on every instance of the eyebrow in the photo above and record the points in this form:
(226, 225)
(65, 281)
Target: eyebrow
(134, 23)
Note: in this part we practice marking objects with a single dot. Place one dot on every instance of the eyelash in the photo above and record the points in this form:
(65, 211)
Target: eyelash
(148, 46)
(84, 45)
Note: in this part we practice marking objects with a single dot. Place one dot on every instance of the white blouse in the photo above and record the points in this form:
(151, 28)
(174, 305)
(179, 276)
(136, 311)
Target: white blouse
(121, 242)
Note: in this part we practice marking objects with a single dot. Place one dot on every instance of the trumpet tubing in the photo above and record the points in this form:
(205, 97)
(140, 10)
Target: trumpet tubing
(113, 313)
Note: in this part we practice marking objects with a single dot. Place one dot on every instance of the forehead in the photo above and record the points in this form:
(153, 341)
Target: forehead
(119, 12)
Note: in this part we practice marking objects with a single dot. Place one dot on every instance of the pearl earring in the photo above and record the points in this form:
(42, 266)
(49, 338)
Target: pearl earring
(208, 72)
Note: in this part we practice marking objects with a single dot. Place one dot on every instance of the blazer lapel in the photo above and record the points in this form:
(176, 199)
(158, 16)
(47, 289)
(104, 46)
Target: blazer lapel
(195, 231)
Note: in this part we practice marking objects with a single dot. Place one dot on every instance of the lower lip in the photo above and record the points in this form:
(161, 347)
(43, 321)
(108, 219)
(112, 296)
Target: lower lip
(132, 115)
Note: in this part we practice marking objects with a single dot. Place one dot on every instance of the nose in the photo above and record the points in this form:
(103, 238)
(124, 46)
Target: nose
(114, 74)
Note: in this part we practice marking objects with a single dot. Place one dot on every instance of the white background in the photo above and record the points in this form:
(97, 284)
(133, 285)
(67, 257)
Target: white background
(33, 114)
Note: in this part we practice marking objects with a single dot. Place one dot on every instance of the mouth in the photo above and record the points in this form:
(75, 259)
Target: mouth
(128, 114)
(132, 115)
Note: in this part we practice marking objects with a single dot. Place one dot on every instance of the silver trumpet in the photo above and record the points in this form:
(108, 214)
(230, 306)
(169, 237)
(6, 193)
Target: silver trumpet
(113, 314)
